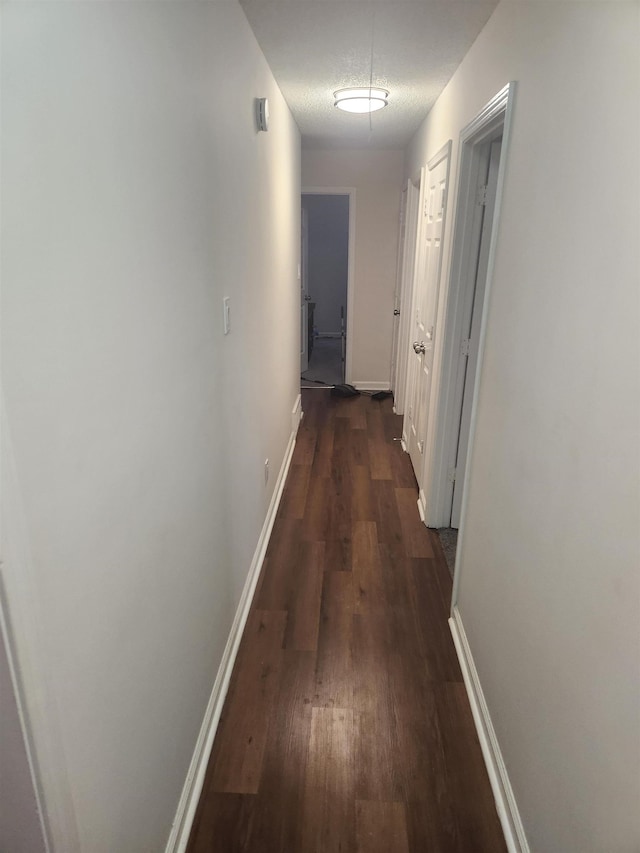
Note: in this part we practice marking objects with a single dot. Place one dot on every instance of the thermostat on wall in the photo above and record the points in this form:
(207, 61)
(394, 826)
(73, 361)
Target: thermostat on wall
(262, 105)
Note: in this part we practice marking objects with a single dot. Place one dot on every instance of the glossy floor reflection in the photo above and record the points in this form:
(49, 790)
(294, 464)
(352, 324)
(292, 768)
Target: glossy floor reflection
(347, 726)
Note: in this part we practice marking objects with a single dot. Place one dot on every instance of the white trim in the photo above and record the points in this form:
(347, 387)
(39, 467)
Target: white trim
(192, 789)
(440, 155)
(507, 808)
(21, 608)
(22, 716)
(495, 108)
(296, 415)
(351, 264)
(372, 385)
(504, 101)
(497, 113)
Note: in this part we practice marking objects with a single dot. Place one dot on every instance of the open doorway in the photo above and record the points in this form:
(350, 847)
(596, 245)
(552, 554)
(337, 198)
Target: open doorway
(325, 286)
(489, 162)
(482, 152)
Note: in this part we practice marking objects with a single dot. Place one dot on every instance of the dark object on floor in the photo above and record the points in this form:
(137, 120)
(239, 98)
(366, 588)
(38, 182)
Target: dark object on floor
(315, 381)
(381, 395)
(344, 391)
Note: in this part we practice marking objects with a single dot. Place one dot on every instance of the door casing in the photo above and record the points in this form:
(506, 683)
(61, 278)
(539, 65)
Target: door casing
(494, 119)
(474, 304)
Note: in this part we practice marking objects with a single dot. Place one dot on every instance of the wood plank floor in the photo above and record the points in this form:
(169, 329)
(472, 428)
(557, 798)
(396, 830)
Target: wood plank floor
(347, 728)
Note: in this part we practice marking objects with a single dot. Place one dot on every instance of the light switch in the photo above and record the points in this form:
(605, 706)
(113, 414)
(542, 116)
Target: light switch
(226, 306)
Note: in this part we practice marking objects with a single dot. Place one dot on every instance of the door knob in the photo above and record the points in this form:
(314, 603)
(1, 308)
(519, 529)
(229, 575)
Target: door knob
(418, 348)
(396, 312)
(307, 298)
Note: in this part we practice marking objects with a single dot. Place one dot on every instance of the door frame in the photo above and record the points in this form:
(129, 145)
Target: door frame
(487, 183)
(25, 649)
(16, 700)
(351, 192)
(497, 114)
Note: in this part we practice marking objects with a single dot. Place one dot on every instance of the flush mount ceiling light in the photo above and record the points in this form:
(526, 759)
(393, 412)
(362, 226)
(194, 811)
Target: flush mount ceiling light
(365, 99)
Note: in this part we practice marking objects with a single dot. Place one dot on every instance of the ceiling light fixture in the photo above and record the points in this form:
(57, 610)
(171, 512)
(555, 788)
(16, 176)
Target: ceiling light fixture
(365, 99)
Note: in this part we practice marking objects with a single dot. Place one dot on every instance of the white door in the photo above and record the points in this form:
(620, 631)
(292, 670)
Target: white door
(425, 308)
(397, 296)
(414, 273)
(304, 290)
(410, 231)
(471, 343)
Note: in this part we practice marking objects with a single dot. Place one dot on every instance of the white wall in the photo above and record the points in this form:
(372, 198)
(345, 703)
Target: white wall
(549, 583)
(328, 258)
(136, 193)
(377, 179)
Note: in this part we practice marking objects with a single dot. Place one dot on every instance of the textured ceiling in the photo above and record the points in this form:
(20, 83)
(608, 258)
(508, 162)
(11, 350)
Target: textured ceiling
(317, 46)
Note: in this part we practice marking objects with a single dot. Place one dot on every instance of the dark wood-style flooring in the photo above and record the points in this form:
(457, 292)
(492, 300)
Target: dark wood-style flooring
(347, 728)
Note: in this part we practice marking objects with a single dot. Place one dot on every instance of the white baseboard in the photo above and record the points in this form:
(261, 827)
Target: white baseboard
(506, 805)
(371, 386)
(181, 828)
(296, 414)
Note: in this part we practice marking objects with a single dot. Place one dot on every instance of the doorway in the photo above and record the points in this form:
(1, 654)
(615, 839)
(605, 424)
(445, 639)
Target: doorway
(468, 352)
(489, 162)
(483, 148)
(326, 265)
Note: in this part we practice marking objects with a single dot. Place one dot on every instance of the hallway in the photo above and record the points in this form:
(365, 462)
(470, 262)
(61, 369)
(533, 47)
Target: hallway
(347, 726)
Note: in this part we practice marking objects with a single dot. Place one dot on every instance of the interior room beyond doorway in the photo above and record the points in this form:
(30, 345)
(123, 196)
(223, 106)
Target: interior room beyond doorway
(325, 277)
